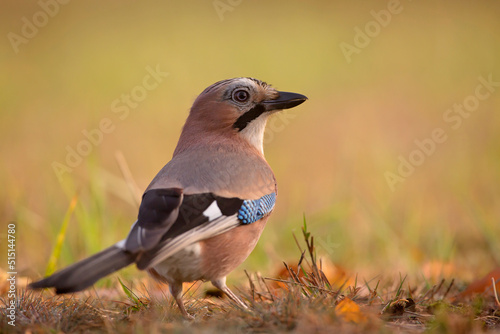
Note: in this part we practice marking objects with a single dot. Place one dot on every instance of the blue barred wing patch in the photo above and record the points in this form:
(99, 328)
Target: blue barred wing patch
(253, 210)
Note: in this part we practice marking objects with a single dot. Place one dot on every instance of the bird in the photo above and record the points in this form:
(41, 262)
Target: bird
(203, 213)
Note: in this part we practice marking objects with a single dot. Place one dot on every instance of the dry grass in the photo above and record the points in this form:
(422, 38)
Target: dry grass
(304, 300)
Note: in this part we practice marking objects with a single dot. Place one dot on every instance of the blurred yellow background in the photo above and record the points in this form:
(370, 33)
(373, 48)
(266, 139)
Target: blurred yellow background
(381, 77)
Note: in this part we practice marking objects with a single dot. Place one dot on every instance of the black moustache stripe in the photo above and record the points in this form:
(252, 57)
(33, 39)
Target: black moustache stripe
(249, 116)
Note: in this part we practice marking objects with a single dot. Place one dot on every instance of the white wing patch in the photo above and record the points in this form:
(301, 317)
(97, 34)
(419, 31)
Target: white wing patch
(120, 244)
(212, 212)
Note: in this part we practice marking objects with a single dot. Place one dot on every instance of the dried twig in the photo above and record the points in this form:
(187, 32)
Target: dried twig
(449, 288)
(300, 284)
(495, 290)
(260, 278)
(252, 286)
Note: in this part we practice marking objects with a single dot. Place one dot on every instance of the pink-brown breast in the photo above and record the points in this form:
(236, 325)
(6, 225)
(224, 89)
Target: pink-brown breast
(223, 253)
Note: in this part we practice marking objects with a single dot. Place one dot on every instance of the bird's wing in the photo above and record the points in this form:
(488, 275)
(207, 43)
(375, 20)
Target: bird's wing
(169, 221)
(158, 212)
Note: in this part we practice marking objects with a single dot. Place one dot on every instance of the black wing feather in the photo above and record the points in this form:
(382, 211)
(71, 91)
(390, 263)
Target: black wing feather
(158, 212)
(192, 208)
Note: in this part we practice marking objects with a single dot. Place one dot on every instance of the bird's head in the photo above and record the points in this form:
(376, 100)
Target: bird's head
(238, 107)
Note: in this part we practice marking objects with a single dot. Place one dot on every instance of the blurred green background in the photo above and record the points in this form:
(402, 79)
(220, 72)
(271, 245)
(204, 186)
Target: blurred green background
(331, 155)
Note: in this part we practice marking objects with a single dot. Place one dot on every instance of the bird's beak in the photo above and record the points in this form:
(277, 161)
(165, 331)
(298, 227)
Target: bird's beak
(285, 100)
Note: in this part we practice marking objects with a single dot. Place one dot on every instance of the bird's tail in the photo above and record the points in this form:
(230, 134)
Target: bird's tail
(86, 272)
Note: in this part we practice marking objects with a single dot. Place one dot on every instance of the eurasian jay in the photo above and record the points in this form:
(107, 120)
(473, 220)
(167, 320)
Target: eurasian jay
(204, 212)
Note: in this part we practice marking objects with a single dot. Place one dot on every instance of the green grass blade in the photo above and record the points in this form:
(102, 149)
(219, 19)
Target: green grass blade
(132, 296)
(56, 252)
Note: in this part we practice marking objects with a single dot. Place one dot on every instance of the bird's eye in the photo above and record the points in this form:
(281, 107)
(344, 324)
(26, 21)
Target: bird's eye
(240, 95)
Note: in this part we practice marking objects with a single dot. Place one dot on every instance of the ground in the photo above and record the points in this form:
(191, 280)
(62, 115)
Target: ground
(300, 298)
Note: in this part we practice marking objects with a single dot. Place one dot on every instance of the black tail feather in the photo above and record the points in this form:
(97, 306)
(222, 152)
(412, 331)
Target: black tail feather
(83, 274)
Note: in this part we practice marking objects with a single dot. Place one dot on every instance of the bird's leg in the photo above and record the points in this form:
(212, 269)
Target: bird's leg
(220, 283)
(176, 291)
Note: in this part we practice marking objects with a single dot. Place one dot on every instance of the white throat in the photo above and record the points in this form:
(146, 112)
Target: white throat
(254, 132)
